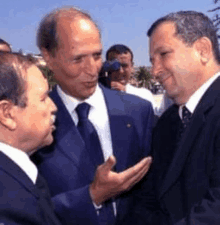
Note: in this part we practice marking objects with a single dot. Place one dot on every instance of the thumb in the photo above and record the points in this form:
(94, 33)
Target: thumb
(110, 163)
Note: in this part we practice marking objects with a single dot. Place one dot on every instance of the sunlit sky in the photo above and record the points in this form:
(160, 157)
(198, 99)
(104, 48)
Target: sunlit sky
(121, 21)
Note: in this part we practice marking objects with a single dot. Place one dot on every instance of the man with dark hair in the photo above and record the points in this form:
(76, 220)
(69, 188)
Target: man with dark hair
(4, 46)
(26, 124)
(186, 141)
(120, 78)
(95, 127)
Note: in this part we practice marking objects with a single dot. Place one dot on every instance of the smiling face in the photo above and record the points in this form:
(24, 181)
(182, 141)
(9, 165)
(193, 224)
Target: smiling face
(77, 60)
(124, 73)
(176, 66)
(34, 123)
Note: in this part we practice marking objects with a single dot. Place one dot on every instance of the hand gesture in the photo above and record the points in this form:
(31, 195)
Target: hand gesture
(108, 184)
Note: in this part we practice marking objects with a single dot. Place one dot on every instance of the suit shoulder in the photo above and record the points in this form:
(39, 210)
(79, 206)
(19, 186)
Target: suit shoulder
(130, 99)
(12, 190)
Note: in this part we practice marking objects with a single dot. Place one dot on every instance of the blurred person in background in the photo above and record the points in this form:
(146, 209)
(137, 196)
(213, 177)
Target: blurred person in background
(119, 79)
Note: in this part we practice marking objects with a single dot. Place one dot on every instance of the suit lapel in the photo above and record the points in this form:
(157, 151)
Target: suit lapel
(68, 139)
(18, 174)
(190, 135)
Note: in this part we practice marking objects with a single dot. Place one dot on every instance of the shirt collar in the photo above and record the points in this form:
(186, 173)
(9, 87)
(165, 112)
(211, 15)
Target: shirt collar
(71, 102)
(197, 95)
(21, 159)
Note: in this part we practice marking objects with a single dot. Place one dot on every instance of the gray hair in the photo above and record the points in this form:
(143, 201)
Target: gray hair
(13, 85)
(190, 26)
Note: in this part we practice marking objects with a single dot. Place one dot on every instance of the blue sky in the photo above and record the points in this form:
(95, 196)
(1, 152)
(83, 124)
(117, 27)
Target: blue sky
(121, 21)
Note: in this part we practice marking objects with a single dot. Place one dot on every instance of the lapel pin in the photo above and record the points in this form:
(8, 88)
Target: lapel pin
(128, 125)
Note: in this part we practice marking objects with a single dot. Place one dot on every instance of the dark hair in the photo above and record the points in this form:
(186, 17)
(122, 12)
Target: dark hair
(3, 42)
(12, 78)
(47, 36)
(119, 49)
(190, 26)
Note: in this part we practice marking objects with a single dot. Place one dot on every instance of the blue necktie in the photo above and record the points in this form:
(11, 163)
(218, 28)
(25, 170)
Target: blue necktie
(92, 143)
(89, 134)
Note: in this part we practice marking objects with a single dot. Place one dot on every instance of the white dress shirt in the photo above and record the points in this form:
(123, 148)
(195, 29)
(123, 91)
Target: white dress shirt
(141, 92)
(21, 159)
(98, 116)
(196, 97)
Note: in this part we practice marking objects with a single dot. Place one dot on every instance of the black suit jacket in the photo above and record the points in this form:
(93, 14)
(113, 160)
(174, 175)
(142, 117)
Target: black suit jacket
(20, 200)
(184, 183)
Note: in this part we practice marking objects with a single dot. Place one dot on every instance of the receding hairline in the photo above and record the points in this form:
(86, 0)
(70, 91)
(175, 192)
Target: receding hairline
(73, 14)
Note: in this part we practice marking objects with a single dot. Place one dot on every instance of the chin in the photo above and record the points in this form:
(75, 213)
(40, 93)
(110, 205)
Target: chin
(88, 94)
(48, 141)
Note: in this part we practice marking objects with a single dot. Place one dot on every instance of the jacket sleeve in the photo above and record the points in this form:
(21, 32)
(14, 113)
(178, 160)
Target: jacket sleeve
(72, 201)
(75, 207)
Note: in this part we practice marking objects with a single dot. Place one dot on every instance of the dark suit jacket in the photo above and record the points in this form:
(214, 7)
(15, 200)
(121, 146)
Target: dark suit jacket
(69, 169)
(20, 200)
(186, 176)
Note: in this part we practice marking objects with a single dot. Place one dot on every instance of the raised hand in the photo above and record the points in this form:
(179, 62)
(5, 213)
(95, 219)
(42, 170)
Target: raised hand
(108, 184)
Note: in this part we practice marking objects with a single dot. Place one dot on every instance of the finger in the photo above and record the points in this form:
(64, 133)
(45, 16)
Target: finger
(137, 176)
(143, 165)
(109, 164)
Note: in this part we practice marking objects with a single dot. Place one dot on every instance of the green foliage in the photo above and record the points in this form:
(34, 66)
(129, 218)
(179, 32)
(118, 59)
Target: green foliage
(216, 19)
(48, 74)
(143, 77)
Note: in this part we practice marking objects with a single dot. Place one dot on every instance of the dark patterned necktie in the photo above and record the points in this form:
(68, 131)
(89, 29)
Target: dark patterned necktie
(92, 143)
(186, 116)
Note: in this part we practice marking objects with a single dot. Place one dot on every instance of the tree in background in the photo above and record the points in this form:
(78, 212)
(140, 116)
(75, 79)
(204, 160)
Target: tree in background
(48, 74)
(216, 19)
(143, 76)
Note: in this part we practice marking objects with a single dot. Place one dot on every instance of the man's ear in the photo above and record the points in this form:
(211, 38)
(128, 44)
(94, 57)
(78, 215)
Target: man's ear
(7, 114)
(47, 57)
(204, 47)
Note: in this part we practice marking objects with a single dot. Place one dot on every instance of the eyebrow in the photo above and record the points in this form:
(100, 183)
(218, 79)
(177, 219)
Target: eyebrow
(84, 55)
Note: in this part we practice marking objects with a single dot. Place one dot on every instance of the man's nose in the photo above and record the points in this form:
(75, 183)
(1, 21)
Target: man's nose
(91, 66)
(53, 106)
(156, 69)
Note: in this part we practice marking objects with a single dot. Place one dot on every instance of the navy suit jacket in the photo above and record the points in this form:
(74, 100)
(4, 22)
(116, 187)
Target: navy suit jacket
(20, 200)
(68, 167)
(186, 176)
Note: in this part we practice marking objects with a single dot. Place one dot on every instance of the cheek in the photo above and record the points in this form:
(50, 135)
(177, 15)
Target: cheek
(128, 72)
(182, 75)
(99, 65)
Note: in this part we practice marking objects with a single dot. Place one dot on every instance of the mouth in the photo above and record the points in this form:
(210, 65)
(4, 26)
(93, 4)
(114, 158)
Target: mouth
(121, 80)
(162, 78)
(91, 84)
(52, 121)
